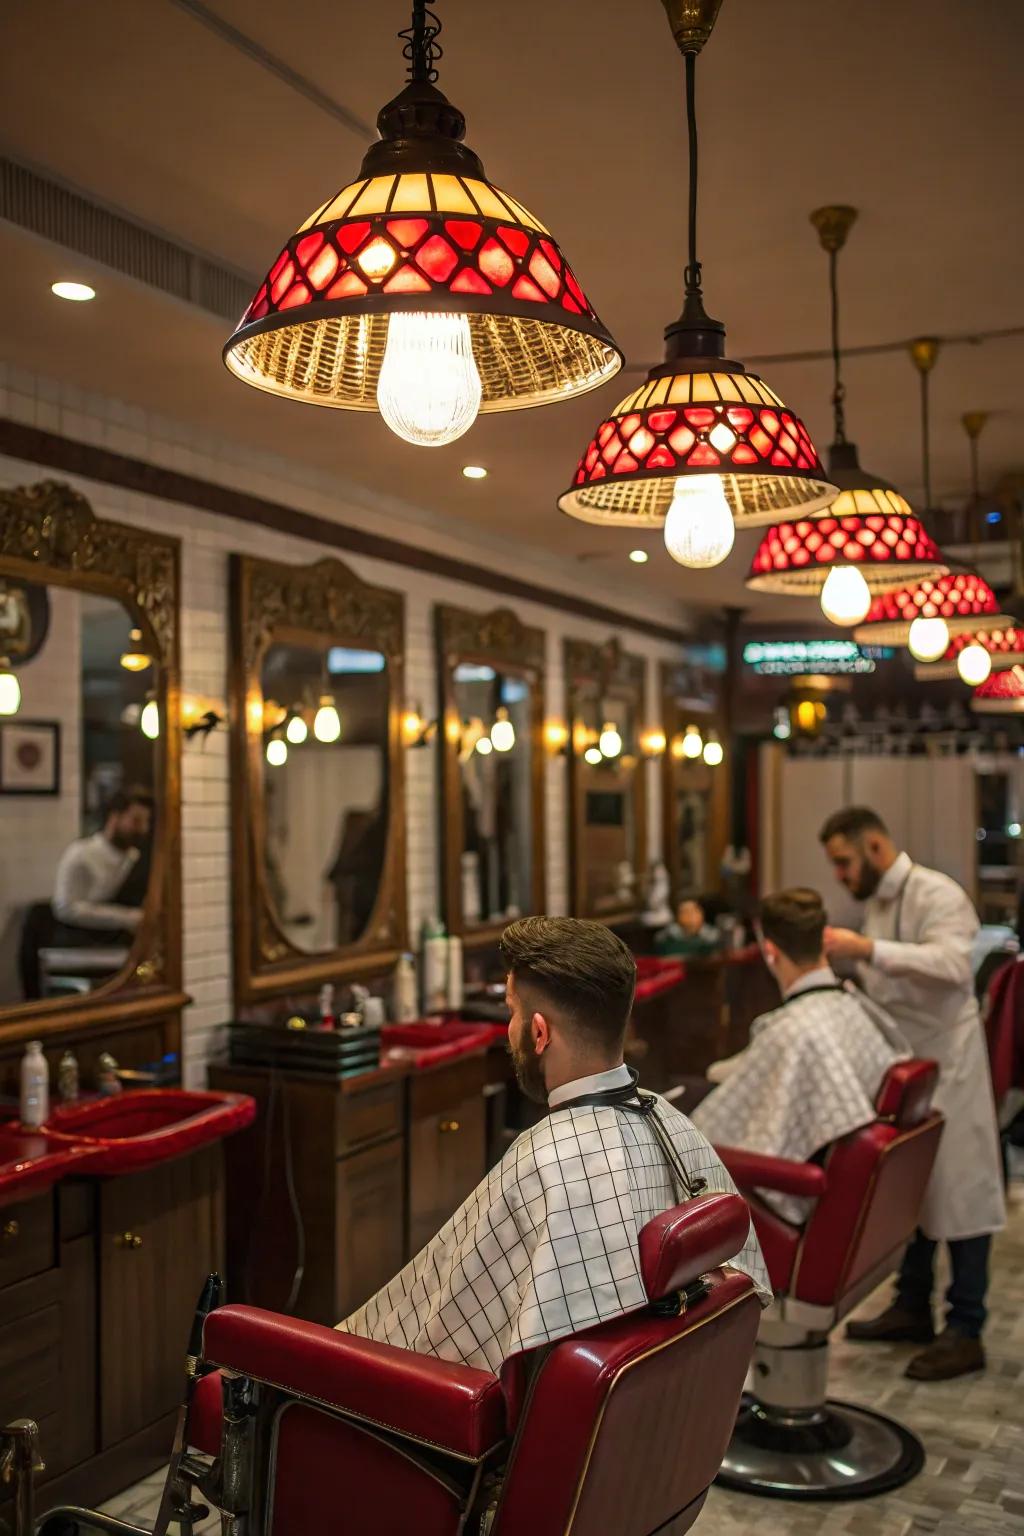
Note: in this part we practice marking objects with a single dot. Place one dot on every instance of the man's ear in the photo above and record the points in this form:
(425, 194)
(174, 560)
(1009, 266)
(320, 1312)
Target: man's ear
(770, 952)
(540, 1033)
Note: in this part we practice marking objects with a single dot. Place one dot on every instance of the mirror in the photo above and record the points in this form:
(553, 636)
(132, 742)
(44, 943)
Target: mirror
(319, 815)
(608, 813)
(695, 786)
(88, 755)
(492, 676)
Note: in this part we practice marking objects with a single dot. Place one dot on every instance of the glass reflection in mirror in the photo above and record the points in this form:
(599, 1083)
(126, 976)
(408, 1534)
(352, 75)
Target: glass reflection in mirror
(325, 780)
(78, 764)
(494, 711)
(605, 741)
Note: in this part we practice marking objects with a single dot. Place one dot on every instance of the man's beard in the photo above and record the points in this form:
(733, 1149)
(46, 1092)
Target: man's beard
(868, 881)
(529, 1072)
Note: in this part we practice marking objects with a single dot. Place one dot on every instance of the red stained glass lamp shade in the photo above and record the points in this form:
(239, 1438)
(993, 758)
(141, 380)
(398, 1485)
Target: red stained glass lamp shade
(889, 549)
(964, 599)
(1000, 694)
(1005, 647)
(421, 230)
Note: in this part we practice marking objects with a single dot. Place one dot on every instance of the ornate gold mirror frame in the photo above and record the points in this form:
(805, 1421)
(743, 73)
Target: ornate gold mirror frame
(320, 605)
(604, 671)
(49, 533)
(678, 710)
(497, 639)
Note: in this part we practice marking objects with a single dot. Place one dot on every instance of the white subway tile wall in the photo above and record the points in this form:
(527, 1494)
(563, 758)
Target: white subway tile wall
(207, 541)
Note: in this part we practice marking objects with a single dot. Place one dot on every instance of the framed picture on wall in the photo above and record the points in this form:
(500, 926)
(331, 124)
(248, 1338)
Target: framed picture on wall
(30, 757)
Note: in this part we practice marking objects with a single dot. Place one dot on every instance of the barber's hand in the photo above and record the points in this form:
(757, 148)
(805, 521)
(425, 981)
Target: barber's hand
(844, 944)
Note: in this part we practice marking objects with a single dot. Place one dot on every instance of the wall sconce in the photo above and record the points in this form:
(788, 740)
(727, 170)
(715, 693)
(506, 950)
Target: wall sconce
(653, 743)
(417, 730)
(200, 716)
(556, 737)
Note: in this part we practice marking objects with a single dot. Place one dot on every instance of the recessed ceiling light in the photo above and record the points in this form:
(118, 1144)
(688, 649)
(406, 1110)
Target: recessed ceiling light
(78, 292)
(639, 556)
(474, 472)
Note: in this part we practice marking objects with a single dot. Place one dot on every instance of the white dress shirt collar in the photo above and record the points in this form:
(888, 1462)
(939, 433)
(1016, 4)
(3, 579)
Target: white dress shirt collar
(821, 976)
(597, 1082)
(891, 882)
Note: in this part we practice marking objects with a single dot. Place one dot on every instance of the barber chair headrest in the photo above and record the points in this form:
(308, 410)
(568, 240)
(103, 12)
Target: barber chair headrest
(685, 1242)
(905, 1096)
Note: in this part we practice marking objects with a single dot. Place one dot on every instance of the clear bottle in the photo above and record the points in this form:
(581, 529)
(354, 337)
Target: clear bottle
(455, 973)
(435, 968)
(35, 1085)
(403, 995)
(328, 1018)
(67, 1078)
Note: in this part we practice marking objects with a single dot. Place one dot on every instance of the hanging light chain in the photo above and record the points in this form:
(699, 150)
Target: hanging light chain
(422, 50)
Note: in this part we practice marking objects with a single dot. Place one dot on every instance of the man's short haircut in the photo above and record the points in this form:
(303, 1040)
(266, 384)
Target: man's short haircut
(580, 968)
(795, 921)
(121, 799)
(852, 822)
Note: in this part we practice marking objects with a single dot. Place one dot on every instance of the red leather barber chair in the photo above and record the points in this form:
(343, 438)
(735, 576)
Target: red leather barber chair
(618, 1429)
(790, 1441)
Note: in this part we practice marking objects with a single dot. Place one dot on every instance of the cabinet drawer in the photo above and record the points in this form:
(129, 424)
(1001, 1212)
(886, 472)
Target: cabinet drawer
(26, 1239)
(369, 1116)
(30, 1365)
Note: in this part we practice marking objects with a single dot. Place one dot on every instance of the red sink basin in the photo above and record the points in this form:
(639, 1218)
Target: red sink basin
(136, 1130)
(428, 1045)
(30, 1164)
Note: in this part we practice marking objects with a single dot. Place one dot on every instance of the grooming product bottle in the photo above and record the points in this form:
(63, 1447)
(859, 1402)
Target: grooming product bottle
(35, 1085)
(328, 1018)
(67, 1078)
(435, 968)
(107, 1081)
(455, 975)
(403, 993)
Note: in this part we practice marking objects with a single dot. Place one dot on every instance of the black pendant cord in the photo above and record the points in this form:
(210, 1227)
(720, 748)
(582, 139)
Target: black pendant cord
(838, 387)
(422, 50)
(926, 452)
(692, 276)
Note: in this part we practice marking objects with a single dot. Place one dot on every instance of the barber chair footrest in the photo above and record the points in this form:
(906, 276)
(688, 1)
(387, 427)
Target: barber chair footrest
(836, 1452)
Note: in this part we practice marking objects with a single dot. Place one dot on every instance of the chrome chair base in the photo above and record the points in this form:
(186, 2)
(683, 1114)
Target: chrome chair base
(835, 1452)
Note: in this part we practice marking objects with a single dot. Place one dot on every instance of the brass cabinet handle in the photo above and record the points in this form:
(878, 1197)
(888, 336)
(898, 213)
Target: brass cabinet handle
(128, 1240)
(11, 1228)
(449, 1125)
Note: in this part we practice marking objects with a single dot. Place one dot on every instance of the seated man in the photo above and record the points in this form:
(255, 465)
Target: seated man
(94, 873)
(691, 935)
(547, 1244)
(813, 1066)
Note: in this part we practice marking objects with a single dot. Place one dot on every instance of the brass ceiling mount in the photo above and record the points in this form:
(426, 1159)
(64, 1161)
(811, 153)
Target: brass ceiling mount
(833, 225)
(692, 22)
(923, 352)
(974, 422)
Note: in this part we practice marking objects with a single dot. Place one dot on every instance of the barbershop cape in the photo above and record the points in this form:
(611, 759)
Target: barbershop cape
(548, 1242)
(810, 1075)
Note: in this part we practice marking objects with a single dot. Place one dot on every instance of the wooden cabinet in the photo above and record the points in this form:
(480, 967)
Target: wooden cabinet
(160, 1235)
(368, 1194)
(446, 1150)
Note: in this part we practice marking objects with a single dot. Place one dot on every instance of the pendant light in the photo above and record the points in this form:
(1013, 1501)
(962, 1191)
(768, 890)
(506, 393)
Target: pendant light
(702, 447)
(610, 742)
(296, 731)
(327, 721)
(134, 658)
(714, 752)
(277, 751)
(870, 541)
(421, 290)
(692, 744)
(503, 732)
(1001, 694)
(10, 689)
(1003, 647)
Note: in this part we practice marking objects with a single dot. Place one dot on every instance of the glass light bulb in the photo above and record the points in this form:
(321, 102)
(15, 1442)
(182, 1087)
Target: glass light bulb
(693, 743)
(296, 730)
(149, 720)
(326, 721)
(277, 752)
(845, 597)
(714, 752)
(699, 529)
(610, 742)
(593, 756)
(503, 733)
(974, 664)
(484, 745)
(429, 389)
(928, 639)
(10, 692)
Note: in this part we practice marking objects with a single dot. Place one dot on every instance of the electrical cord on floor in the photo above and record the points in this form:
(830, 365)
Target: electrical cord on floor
(268, 1135)
(300, 1229)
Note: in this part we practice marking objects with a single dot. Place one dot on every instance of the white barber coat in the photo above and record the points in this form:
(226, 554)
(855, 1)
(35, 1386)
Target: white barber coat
(923, 925)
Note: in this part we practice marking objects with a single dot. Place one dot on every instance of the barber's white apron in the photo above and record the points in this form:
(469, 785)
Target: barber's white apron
(965, 1194)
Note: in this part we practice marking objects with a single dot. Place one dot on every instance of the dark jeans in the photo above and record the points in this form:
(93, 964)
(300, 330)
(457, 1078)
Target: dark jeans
(966, 1294)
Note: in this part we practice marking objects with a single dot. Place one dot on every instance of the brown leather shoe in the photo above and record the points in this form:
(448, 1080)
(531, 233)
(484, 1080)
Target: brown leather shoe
(896, 1325)
(950, 1355)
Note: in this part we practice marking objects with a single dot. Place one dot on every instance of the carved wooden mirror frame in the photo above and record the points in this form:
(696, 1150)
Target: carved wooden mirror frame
(497, 639)
(678, 710)
(49, 533)
(615, 673)
(318, 605)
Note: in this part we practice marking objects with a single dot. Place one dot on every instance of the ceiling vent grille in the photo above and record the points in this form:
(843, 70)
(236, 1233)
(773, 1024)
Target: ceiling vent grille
(68, 219)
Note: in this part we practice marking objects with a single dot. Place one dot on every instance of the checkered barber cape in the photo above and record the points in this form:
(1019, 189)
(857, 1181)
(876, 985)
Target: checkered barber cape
(809, 1075)
(547, 1244)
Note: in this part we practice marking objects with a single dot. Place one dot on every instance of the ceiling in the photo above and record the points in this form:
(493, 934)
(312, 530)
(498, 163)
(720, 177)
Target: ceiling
(576, 108)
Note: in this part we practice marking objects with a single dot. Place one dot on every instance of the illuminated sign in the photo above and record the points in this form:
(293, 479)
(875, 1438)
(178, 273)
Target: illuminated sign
(791, 658)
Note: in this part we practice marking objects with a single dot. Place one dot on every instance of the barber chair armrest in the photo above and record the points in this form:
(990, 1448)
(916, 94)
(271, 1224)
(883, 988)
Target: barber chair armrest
(432, 1401)
(755, 1170)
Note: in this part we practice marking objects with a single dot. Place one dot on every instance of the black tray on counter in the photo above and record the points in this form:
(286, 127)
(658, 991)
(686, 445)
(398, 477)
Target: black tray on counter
(330, 1052)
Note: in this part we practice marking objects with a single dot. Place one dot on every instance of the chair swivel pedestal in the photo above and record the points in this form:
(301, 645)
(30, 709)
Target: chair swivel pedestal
(791, 1441)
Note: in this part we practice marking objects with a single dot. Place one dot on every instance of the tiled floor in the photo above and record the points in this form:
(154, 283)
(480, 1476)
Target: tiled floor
(973, 1430)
